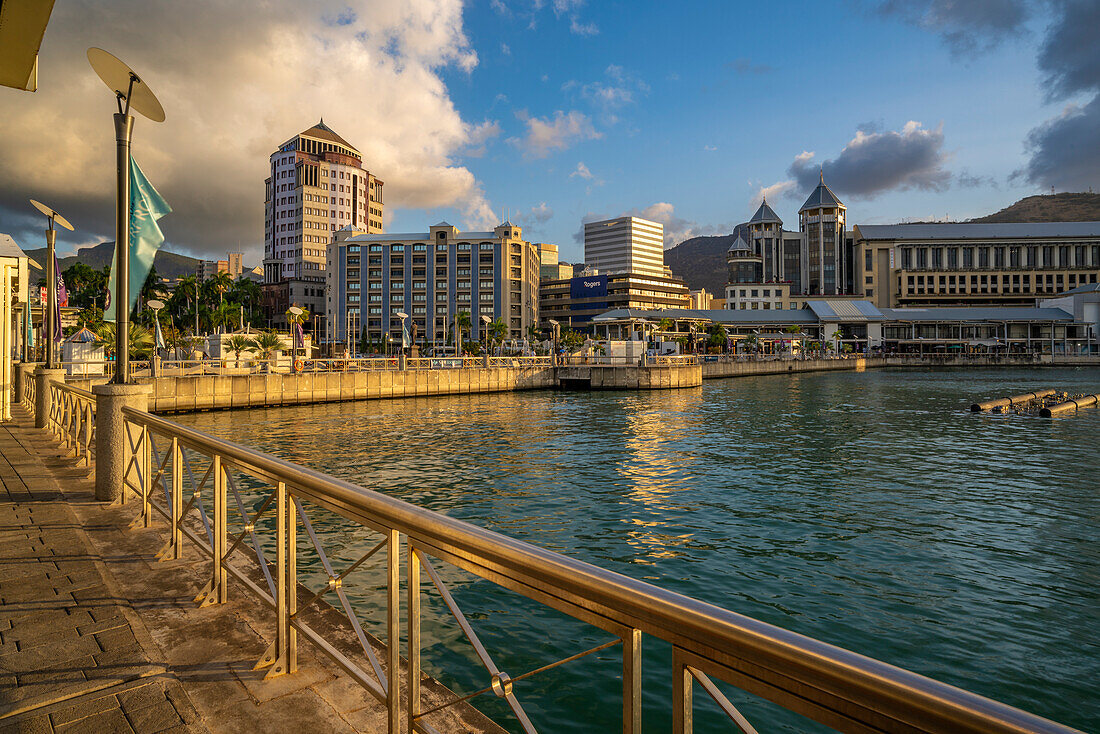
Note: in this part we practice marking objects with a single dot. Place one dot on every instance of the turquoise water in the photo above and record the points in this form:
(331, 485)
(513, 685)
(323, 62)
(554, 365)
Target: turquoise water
(868, 510)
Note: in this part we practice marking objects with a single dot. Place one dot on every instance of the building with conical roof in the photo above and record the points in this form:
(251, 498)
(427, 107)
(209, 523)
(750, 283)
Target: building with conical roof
(317, 186)
(822, 224)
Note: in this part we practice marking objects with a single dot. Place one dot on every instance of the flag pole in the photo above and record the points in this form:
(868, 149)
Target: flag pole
(124, 130)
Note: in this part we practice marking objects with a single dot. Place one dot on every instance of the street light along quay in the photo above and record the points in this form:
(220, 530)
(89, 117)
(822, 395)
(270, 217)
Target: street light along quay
(129, 88)
(50, 315)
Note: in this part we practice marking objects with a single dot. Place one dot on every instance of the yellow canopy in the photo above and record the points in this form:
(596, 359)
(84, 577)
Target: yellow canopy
(22, 25)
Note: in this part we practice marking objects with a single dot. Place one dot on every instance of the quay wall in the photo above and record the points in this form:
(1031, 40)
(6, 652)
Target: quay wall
(630, 377)
(182, 394)
(746, 368)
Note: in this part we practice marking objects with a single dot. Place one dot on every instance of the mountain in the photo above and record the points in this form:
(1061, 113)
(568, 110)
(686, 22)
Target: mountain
(1082, 207)
(169, 265)
(701, 261)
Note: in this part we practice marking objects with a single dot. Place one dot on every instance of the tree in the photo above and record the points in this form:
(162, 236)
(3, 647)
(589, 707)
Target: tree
(268, 344)
(461, 324)
(572, 340)
(498, 332)
(751, 342)
(219, 283)
(238, 344)
(187, 290)
(141, 339)
(665, 325)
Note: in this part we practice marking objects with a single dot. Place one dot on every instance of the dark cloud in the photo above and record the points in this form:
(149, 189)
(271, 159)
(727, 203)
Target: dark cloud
(1070, 55)
(873, 163)
(1065, 151)
(968, 181)
(965, 25)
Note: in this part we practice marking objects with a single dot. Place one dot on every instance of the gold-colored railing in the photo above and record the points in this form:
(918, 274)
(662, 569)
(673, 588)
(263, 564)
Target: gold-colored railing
(846, 691)
(72, 419)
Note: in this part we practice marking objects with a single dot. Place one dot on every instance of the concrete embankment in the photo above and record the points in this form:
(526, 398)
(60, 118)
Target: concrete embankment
(747, 368)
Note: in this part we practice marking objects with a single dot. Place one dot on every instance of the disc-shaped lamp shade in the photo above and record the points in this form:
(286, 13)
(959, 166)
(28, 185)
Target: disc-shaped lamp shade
(155, 305)
(57, 218)
(295, 310)
(117, 76)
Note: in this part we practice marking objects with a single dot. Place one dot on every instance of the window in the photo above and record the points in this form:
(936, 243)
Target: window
(868, 259)
(486, 245)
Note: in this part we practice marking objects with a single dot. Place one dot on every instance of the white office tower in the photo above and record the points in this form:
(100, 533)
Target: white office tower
(625, 245)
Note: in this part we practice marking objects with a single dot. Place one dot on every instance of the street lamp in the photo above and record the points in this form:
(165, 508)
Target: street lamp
(118, 77)
(158, 337)
(296, 313)
(485, 331)
(555, 331)
(51, 314)
(401, 315)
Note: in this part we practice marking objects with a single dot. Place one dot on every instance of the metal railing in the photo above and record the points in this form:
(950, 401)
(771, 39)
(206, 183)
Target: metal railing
(846, 691)
(72, 419)
(30, 391)
(674, 360)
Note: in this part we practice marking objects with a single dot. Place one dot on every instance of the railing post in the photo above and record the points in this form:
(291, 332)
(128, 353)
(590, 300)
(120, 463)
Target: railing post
(281, 655)
(412, 680)
(175, 536)
(632, 682)
(43, 376)
(111, 447)
(681, 694)
(393, 631)
(145, 466)
(216, 590)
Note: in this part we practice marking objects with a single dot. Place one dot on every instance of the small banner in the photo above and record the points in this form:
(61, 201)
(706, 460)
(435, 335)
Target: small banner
(146, 207)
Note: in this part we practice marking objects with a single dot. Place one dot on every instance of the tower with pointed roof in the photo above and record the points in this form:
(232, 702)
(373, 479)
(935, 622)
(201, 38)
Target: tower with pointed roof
(822, 224)
(317, 186)
(766, 237)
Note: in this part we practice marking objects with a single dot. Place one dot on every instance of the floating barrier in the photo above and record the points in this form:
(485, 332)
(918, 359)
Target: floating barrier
(1014, 400)
(1073, 404)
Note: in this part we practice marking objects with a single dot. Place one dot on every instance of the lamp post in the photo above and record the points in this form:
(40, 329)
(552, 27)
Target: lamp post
(154, 359)
(296, 314)
(50, 314)
(555, 332)
(402, 316)
(485, 320)
(137, 95)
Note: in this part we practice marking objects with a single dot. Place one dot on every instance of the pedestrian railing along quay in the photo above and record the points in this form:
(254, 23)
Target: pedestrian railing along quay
(241, 506)
(30, 392)
(72, 419)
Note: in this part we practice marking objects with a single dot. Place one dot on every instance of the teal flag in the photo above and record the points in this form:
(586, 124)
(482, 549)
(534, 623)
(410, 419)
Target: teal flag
(146, 207)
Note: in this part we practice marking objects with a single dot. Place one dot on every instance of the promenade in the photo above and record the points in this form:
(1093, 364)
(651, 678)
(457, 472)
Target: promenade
(97, 636)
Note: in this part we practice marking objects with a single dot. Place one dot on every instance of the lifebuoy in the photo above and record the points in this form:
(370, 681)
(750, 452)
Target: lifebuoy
(298, 365)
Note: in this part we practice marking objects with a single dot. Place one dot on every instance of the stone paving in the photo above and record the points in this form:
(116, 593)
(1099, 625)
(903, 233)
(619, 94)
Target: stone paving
(97, 636)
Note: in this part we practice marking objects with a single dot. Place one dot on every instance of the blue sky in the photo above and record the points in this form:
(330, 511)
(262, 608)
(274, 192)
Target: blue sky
(715, 100)
(553, 111)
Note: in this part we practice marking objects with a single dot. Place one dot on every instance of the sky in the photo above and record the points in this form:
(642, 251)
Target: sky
(554, 112)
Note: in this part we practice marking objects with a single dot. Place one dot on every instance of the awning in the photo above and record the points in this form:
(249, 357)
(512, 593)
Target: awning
(22, 25)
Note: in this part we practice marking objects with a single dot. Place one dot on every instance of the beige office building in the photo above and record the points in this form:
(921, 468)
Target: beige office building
(317, 186)
(625, 245)
(432, 276)
(974, 264)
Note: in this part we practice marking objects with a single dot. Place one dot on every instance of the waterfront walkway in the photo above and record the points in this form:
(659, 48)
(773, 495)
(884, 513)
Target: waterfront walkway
(97, 636)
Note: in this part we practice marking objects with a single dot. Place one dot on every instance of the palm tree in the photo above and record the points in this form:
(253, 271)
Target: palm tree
(224, 314)
(141, 339)
(664, 325)
(268, 344)
(462, 323)
(238, 344)
(752, 341)
(220, 283)
(497, 331)
(188, 289)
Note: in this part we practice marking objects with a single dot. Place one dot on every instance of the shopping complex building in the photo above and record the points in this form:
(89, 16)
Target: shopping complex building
(1066, 324)
(431, 276)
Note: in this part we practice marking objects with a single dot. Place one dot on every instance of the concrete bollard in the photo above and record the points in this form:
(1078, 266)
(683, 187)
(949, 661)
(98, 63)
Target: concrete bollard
(401, 364)
(42, 379)
(110, 435)
(485, 360)
(17, 381)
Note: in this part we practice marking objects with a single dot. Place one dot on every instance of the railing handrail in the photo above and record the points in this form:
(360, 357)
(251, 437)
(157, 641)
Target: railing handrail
(65, 387)
(855, 687)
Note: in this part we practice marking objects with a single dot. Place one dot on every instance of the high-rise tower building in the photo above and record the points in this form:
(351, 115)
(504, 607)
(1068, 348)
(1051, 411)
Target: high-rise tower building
(821, 221)
(625, 245)
(317, 186)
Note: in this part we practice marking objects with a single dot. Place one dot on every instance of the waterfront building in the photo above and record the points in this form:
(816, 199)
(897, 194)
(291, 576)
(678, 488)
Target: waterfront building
(700, 299)
(1060, 329)
(548, 260)
(625, 245)
(773, 265)
(317, 185)
(573, 302)
(974, 263)
(431, 276)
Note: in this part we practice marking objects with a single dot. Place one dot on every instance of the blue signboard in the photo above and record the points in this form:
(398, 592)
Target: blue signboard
(590, 287)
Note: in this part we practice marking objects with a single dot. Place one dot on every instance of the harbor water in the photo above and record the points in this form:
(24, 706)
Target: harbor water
(869, 510)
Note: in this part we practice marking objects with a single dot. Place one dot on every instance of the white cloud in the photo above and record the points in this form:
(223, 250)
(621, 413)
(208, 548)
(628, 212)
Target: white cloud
(710, 148)
(582, 171)
(506, 49)
(540, 214)
(371, 68)
(545, 134)
(777, 190)
(571, 10)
